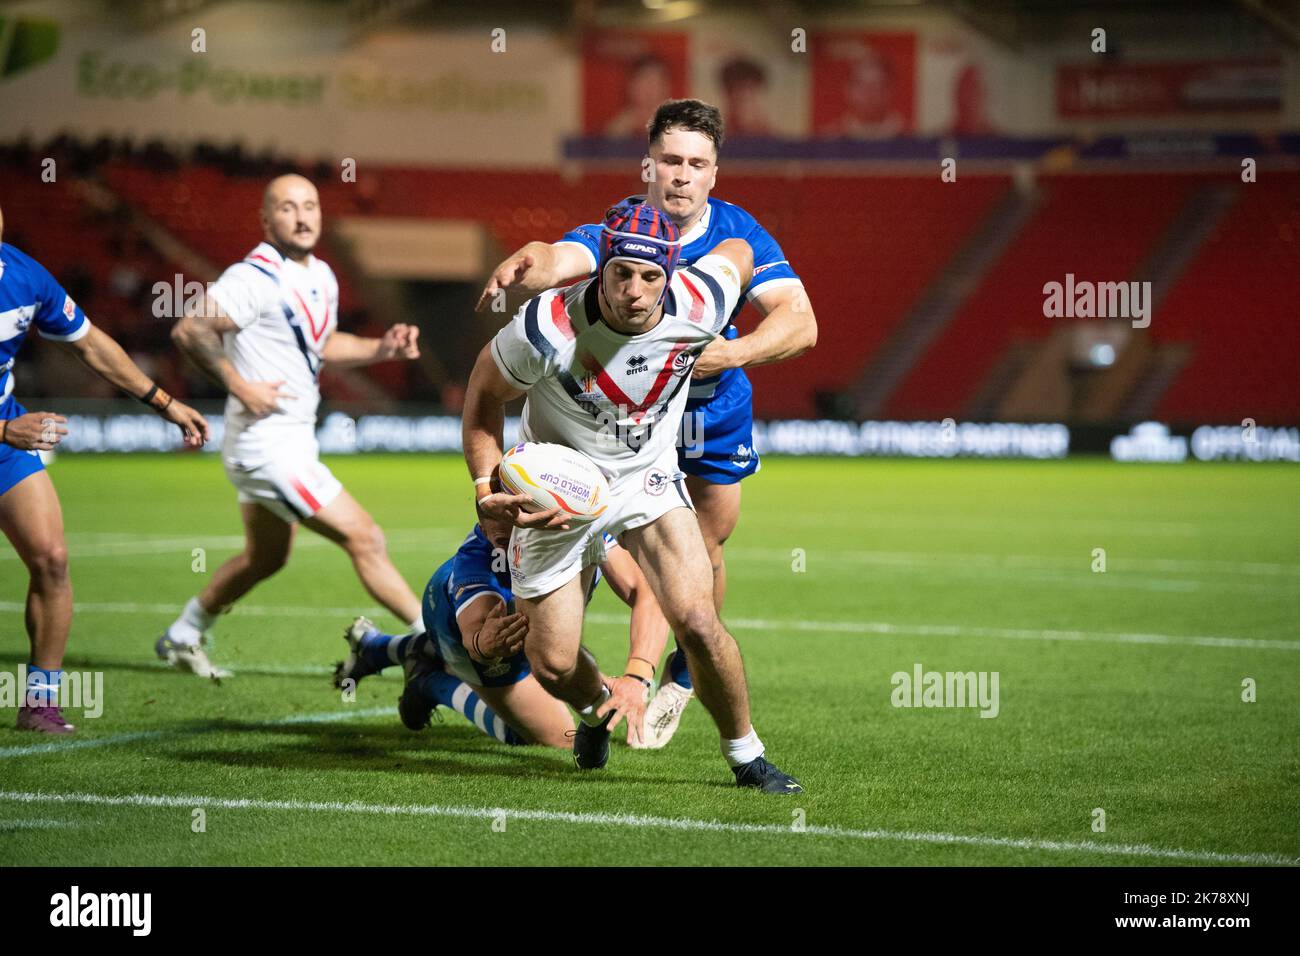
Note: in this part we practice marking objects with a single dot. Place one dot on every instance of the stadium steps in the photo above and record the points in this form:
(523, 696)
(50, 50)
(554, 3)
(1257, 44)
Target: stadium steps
(1167, 363)
(1037, 380)
(1169, 260)
(926, 321)
(191, 263)
(1234, 307)
(1097, 227)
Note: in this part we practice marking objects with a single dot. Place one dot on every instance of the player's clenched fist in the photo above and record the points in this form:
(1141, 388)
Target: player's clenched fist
(400, 342)
(35, 431)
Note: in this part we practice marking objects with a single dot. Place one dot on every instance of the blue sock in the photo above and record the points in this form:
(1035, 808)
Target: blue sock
(450, 691)
(43, 686)
(383, 650)
(677, 669)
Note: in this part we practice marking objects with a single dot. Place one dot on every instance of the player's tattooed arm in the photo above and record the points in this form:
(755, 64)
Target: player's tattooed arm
(199, 336)
(534, 268)
(788, 329)
(103, 356)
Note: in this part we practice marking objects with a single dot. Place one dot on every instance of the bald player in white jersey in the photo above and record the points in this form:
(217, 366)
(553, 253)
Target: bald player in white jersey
(264, 331)
(606, 366)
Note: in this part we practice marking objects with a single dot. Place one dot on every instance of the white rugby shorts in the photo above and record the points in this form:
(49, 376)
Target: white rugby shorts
(543, 560)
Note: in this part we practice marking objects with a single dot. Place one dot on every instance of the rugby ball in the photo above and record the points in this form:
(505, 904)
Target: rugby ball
(555, 476)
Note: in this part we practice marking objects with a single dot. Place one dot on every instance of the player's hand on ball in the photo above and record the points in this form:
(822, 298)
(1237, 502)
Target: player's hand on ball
(35, 431)
(263, 398)
(193, 426)
(509, 274)
(502, 635)
(510, 508)
(627, 698)
(400, 342)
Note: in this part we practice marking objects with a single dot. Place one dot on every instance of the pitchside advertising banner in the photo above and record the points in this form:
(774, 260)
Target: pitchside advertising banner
(343, 434)
(295, 78)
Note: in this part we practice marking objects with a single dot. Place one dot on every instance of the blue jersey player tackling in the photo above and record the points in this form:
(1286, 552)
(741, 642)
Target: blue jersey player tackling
(30, 515)
(470, 657)
(717, 449)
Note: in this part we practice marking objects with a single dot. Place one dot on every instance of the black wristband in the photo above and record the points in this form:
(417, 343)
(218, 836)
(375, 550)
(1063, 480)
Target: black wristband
(148, 396)
(648, 683)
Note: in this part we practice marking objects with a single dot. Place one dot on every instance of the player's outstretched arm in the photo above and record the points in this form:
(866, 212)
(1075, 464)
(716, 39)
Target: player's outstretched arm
(198, 335)
(534, 268)
(648, 635)
(103, 356)
(482, 424)
(346, 350)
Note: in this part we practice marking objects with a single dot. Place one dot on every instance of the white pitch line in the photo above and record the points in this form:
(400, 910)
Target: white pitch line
(58, 746)
(1033, 562)
(636, 821)
(741, 625)
(110, 546)
(171, 610)
(754, 624)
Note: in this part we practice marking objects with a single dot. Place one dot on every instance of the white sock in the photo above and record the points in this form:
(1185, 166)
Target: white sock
(416, 627)
(189, 627)
(588, 714)
(743, 749)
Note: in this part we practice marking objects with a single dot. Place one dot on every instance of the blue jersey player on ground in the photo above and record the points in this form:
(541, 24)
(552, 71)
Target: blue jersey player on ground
(471, 656)
(30, 515)
(717, 448)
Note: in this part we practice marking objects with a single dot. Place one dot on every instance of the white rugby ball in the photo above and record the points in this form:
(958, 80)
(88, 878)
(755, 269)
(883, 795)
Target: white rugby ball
(555, 476)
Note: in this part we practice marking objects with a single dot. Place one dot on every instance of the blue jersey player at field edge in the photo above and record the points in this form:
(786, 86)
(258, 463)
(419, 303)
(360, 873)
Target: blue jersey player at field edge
(471, 657)
(684, 139)
(30, 515)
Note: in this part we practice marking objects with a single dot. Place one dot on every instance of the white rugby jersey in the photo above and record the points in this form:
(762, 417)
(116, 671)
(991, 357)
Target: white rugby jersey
(286, 312)
(616, 398)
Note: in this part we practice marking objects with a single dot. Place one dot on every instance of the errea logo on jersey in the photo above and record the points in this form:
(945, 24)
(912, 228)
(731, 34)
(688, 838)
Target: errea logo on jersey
(637, 363)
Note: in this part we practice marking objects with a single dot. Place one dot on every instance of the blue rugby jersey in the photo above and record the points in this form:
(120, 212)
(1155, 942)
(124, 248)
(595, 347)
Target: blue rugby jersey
(29, 296)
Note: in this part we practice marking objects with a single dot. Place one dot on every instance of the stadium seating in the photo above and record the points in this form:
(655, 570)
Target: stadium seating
(1098, 227)
(867, 247)
(1236, 305)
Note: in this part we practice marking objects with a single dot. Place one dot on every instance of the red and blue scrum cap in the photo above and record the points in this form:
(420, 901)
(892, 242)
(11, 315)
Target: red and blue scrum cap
(640, 232)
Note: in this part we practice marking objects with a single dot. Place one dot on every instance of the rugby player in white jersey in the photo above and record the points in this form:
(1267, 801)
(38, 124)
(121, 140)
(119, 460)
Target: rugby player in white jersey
(684, 140)
(605, 365)
(263, 332)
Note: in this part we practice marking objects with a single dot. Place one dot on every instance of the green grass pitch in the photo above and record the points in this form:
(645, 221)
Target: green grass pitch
(1119, 690)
